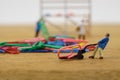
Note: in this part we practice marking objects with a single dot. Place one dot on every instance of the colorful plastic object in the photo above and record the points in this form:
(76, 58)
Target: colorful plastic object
(56, 43)
(40, 45)
(63, 36)
(2, 43)
(35, 51)
(71, 40)
(80, 52)
(33, 40)
(71, 54)
(2, 51)
(66, 51)
(10, 50)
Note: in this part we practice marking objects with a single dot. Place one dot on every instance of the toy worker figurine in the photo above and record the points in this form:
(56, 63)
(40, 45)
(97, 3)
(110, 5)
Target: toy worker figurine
(81, 30)
(101, 46)
(38, 28)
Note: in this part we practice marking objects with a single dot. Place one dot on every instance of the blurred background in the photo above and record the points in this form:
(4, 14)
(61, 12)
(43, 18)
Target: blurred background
(28, 11)
(18, 20)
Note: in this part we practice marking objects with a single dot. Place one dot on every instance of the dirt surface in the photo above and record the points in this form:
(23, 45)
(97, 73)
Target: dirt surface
(47, 66)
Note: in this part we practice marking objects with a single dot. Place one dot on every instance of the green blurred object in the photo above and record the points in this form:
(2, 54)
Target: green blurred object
(40, 45)
(44, 29)
(19, 45)
(9, 44)
(2, 43)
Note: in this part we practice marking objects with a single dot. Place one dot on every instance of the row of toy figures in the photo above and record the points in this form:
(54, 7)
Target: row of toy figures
(42, 28)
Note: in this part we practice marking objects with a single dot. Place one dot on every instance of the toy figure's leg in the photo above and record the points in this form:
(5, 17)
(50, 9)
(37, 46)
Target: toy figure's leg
(37, 33)
(83, 37)
(96, 49)
(93, 55)
(79, 36)
(100, 53)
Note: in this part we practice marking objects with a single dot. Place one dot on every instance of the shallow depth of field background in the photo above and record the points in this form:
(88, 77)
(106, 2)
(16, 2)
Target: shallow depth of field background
(17, 22)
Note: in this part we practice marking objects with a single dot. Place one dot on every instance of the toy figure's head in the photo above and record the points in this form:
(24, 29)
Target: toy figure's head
(107, 35)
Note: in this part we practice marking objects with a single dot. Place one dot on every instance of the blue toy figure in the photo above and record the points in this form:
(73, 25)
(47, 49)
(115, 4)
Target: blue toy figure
(38, 28)
(101, 46)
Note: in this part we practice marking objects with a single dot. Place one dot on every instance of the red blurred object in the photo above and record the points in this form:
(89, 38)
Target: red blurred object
(33, 40)
(11, 50)
(71, 40)
(91, 48)
(52, 38)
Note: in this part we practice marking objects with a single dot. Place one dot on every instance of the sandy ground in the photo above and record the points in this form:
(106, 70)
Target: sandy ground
(47, 66)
